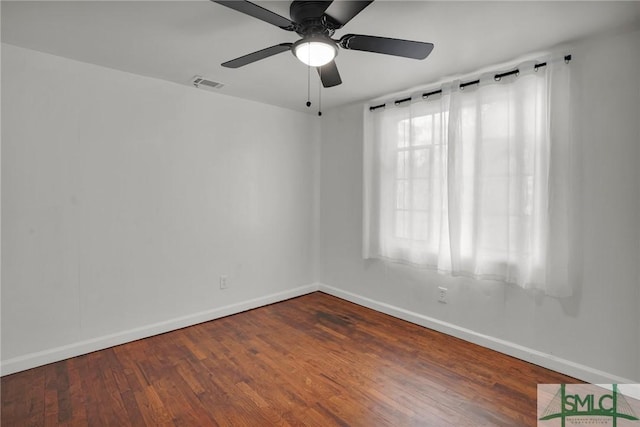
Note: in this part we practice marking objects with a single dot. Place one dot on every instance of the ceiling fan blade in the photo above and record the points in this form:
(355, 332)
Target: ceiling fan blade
(258, 12)
(397, 47)
(256, 56)
(343, 11)
(329, 74)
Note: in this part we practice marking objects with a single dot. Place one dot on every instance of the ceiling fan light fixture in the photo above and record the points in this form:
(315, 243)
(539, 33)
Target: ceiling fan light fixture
(315, 52)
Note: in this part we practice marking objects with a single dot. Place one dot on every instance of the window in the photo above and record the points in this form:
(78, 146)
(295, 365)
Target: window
(460, 183)
(420, 202)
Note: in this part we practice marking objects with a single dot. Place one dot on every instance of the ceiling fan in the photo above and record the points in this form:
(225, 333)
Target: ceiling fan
(315, 22)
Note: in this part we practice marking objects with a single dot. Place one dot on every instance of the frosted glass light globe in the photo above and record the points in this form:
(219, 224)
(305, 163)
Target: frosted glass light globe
(315, 53)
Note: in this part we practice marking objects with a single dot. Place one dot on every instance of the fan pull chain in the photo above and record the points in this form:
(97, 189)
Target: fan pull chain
(320, 92)
(308, 85)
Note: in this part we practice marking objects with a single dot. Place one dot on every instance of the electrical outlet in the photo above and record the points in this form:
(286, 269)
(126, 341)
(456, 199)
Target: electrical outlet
(224, 282)
(442, 294)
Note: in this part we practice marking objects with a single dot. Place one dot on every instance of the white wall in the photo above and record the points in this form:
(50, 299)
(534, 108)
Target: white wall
(594, 335)
(124, 198)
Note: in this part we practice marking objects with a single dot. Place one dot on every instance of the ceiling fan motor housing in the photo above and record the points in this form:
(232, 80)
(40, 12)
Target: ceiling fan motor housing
(310, 18)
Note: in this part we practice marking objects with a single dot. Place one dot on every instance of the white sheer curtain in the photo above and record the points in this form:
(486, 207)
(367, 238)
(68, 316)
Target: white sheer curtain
(475, 181)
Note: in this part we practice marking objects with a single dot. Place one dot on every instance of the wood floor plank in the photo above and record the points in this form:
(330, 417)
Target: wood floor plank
(29, 398)
(315, 360)
(51, 397)
(77, 409)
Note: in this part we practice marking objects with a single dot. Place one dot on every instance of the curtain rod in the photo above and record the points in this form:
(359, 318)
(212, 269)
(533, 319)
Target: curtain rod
(497, 77)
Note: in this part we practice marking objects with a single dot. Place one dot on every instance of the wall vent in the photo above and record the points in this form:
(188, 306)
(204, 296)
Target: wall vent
(202, 83)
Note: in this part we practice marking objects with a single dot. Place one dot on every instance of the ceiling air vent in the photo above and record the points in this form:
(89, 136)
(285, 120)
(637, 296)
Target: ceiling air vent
(202, 83)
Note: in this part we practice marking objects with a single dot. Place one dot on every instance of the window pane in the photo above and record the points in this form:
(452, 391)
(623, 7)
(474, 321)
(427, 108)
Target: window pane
(402, 194)
(402, 224)
(437, 130)
(402, 170)
(420, 163)
(422, 129)
(403, 133)
(437, 161)
(420, 194)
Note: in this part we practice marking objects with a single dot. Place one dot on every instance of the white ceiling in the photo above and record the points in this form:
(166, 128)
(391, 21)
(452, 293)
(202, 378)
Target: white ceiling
(175, 40)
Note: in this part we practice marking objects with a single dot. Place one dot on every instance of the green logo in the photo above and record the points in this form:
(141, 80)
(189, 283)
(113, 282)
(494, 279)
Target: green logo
(589, 406)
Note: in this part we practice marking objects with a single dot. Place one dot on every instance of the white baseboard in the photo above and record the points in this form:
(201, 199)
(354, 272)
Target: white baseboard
(567, 367)
(44, 357)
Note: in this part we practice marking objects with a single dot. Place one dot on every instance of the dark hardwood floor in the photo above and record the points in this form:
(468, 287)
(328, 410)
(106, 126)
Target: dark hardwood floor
(315, 360)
